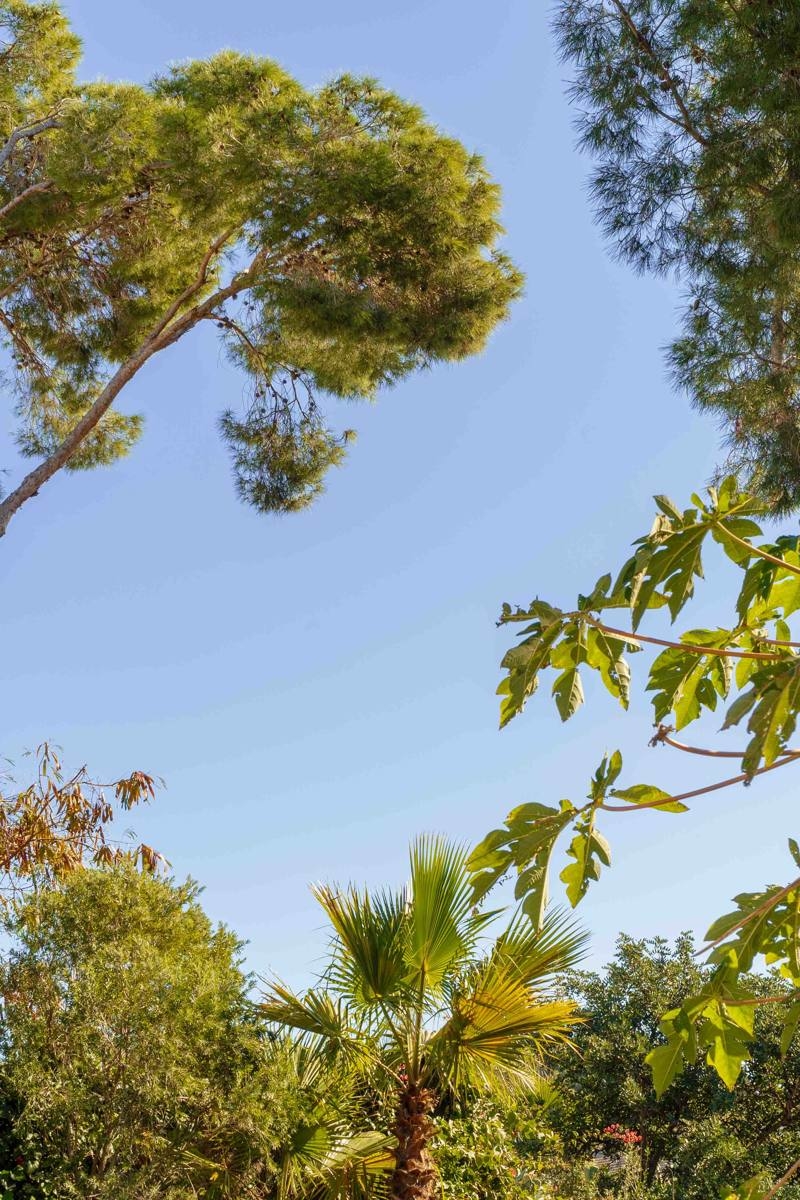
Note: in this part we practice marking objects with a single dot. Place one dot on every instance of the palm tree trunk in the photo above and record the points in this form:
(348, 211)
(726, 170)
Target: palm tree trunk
(415, 1176)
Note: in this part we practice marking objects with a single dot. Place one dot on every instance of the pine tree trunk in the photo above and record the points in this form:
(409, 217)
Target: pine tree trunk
(415, 1176)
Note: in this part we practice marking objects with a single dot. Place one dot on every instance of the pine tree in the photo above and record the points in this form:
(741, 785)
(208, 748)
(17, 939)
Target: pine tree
(334, 237)
(692, 110)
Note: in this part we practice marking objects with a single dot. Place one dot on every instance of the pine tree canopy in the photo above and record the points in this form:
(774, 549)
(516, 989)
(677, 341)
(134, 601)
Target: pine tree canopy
(334, 237)
(692, 110)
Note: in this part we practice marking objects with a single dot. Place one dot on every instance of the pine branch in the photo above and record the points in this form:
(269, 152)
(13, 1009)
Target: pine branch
(35, 189)
(24, 132)
(687, 124)
(159, 338)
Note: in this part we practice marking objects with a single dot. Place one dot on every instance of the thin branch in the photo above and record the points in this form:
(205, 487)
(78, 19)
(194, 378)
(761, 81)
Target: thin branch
(627, 636)
(687, 124)
(22, 343)
(762, 908)
(663, 736)
(200, 281)
(702, 791)
(26, 131)
(784, 1179)
(779, 562)
(35, 189)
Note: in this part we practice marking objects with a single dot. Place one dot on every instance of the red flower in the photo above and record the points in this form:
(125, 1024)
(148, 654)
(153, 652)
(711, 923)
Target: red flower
(628, 1137)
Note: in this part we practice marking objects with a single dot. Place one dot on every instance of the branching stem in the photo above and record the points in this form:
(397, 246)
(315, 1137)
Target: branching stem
(702, 791)
(670, 741)
(625, 635)
(168, 330)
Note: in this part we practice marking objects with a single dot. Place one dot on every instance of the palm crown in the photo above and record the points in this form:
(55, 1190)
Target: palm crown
(417, 990)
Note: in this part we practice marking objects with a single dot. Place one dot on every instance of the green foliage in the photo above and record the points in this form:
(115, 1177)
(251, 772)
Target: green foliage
(697, 1132)
(494, 1150)
(691, 110)
(333, 1149)
(337, 240)
(134, 1056)
(749, 668)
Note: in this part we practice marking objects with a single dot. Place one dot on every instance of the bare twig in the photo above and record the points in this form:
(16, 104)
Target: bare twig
(784, 1179)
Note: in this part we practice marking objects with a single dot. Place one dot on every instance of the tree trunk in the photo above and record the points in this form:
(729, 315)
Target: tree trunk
(415, 1176)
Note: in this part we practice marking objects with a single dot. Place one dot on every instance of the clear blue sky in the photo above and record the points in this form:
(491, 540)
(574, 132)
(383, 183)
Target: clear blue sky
(317, 689)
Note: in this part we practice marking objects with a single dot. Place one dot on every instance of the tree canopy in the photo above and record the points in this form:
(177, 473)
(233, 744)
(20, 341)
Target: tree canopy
(697, 1134)
(692, 111)
(130, 1049)
(335, 238)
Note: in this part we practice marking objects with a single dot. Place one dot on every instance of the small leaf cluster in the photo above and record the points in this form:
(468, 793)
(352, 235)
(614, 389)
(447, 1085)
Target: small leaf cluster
(59, 823)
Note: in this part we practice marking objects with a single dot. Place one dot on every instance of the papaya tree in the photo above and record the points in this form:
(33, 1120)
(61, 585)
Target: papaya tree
(750, 670)
(334, 239)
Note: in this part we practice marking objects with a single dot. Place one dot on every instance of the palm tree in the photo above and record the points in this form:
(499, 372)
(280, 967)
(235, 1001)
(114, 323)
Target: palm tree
(415, 990)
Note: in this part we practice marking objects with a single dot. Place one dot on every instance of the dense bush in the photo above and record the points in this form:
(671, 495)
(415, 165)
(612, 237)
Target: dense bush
(134, 1063)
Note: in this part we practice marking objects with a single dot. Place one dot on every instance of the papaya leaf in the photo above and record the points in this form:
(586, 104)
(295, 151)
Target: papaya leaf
(589, 849)
(772, 721)
(728, 1050)
(525, 844)
(740, 708)
(606, 655)
(755, 1188)
(647, 793)
(523, 664)
(606, 774)
(790, 1027)
(673, 567)
(568, 693)
(666, 1062)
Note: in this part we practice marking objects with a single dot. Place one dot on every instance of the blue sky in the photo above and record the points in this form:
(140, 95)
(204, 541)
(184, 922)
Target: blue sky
(317, 689)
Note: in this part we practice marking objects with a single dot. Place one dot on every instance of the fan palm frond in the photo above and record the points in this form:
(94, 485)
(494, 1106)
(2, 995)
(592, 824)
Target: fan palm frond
(359, 1165)
(368, 964)
(319, 1015)
(537, 955)
(495, 1023)
(442, 926)
(332, 1163)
